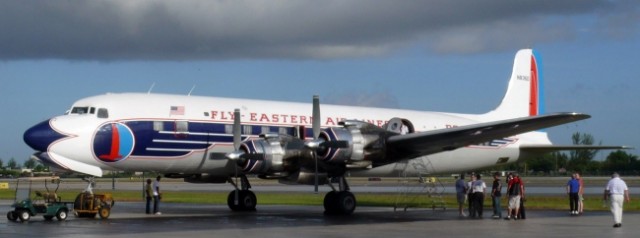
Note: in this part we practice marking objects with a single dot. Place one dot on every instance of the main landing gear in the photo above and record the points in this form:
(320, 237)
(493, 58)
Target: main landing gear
(242, 199)
(341, 201)
(337, 202)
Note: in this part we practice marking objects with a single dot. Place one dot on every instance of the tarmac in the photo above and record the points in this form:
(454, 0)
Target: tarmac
(189, 220)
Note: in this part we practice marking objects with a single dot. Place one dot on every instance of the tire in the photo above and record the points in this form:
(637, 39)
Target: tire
(23, 215)
(246, 201)
(345, 203)
(330, 202)
(231, 201)
(12, 216)
(62, 214)
(104, 212)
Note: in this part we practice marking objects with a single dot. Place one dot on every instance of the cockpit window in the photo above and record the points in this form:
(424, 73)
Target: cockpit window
(79, 110)
(103, 113)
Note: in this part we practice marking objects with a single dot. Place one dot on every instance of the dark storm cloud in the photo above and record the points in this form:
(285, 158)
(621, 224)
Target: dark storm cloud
(203, 29)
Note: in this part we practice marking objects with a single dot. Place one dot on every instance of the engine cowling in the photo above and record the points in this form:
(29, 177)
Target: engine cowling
(277, 155)
(365, 143)
(356, 144)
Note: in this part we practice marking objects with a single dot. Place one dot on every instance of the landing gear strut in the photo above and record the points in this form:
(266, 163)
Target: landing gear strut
(341, 201)
(242, 199)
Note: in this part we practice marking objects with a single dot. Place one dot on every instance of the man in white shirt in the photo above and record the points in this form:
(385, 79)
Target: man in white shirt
(478, 188)
(156, 196)
(617, 191)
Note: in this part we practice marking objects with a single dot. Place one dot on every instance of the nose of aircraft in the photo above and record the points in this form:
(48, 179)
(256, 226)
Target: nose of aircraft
(40, 136)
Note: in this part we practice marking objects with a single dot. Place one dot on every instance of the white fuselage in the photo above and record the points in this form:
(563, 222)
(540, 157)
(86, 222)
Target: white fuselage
(161, 143)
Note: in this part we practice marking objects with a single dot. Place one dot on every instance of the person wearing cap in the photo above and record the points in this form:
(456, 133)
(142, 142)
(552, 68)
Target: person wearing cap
(617, 193)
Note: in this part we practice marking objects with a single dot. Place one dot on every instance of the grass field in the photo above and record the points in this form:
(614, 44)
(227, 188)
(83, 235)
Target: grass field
(547, 202)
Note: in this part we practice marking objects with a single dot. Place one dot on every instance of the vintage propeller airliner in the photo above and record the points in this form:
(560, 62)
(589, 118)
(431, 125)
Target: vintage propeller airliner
(207, 140)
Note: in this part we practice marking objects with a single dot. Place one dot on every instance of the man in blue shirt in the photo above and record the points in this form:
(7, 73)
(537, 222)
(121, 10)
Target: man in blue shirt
(573, 187)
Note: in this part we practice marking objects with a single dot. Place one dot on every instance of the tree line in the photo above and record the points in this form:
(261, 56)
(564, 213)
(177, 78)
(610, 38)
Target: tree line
(583, 161)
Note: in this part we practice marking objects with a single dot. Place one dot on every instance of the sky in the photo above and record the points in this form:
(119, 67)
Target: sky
(432, 55)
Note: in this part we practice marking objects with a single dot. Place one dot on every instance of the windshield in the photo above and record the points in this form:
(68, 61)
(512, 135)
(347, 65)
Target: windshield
(79, 110)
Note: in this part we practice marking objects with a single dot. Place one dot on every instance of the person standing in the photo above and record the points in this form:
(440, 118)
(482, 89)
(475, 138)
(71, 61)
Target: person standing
(617, 192)
(479, 188)
(149, 193)
(156, 196)
(470, 195)
(514, 190)
(461, 192)
(580, 194)
(573, 187)
(521, 211)
(496, 194)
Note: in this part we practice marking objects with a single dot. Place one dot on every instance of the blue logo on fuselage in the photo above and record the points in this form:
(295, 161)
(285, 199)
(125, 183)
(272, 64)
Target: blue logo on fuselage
(113, 142)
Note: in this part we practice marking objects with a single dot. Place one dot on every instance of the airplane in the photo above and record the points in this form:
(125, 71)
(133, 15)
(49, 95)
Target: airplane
(219, 140)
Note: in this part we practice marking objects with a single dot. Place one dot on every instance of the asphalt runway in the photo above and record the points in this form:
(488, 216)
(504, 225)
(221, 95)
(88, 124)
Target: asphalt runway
(538, 186)
(186, 220)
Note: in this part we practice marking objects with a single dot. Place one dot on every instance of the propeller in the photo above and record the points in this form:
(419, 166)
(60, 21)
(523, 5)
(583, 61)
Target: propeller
(315, 123)
(237, 139)
(318, 143)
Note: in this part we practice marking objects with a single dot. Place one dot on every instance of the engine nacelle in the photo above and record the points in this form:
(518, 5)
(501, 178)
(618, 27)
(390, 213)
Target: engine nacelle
(279, 155)
(365, 143)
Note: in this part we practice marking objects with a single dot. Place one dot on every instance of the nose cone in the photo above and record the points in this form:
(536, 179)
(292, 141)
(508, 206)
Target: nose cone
(40, 136)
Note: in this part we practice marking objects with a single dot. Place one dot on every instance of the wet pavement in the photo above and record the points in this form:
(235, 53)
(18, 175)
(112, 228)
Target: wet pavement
(188, 220)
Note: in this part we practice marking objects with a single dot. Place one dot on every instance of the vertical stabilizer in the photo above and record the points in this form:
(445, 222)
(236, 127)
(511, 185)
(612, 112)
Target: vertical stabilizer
(524, 95)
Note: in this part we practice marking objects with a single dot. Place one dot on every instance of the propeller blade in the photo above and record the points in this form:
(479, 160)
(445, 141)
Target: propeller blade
(316, 133)
(316, 117)
(237, 136)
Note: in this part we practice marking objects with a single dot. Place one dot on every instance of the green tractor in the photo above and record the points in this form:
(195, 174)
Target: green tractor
(30, 201)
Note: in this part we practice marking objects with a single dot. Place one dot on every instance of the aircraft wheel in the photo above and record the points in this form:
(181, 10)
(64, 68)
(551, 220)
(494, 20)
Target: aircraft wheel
(11, 215)
(330, 201)
(345, 203)
(231, 201)
(61, 214)
(24, 216)
(104, 212)
(246, 201)
(249, 200)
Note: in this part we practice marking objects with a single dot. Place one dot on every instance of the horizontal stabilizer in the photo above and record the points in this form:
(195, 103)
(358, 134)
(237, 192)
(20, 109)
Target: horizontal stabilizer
(552, 148)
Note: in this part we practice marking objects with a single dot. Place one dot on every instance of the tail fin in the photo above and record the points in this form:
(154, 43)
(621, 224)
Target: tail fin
(524, 95)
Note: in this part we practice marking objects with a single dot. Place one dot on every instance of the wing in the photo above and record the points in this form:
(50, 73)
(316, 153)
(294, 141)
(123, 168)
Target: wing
(430, 142)
(552, 148)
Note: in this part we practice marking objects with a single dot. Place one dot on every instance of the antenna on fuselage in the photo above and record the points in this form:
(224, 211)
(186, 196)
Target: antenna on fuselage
(192, 88)
(151, 88)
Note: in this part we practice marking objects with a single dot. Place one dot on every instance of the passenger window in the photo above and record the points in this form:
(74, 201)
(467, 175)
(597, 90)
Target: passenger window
(158, 125)
(264, 130)
(247, 130)
(182, 126)
(181, 129)
(103, 113)
(228, 129)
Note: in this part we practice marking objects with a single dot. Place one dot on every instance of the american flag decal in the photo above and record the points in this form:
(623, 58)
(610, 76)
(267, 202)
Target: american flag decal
(176, 110)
